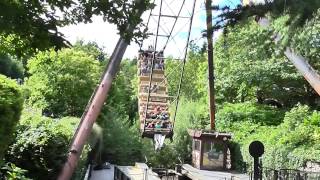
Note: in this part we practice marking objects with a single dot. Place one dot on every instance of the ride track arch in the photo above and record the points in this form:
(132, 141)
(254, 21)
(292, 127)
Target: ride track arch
(157, 105)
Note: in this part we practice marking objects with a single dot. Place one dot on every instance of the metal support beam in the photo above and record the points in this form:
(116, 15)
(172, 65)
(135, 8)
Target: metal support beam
(93, 112)
(305, 69)
(159, 35)
(171, 16)
(95, 105)
(301, 64)
(210, 63)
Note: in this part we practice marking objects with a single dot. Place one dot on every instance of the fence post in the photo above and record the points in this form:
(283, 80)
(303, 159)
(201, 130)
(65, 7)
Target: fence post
(275, 175)
(145, 174)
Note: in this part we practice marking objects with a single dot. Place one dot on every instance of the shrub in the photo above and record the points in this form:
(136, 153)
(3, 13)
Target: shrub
(288, 145)
(11, 172)
(10, 109)
(250, 112)
(41, 145)
(121, 142)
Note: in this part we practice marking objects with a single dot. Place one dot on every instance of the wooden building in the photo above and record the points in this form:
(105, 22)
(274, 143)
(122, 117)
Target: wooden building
(210, 150)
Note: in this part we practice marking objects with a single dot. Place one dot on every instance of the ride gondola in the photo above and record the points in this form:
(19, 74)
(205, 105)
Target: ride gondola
(153, 96)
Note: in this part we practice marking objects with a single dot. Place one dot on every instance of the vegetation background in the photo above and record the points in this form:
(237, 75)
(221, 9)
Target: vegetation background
(260, 96)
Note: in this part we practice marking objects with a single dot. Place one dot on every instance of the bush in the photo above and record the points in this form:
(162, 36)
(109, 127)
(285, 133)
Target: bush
(288, 145)
(250, 112)
(41, 145)
(10, 109)
(12, 172)
(121, 143)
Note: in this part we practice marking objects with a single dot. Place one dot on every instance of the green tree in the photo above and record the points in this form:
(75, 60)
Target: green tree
(11, 172)
(122, 97)
(10, 67)
(91, 48)
(251, 112)
(10, 110)
(61, 82)
(194, 81)
(36, 23)
(121, 141)
(298, 11)
(13, 45)
(257, 71)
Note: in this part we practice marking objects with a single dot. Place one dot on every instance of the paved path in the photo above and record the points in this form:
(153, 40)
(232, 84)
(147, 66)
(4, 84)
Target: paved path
(105, 174)
(138, 172)
(196, 174)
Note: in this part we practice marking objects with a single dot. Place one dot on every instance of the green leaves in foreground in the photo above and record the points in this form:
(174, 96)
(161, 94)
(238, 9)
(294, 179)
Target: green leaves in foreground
(10, 109)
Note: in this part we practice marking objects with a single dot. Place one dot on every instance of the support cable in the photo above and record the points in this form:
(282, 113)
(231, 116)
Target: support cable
(152, 63)
(184, 63)
(174, 24)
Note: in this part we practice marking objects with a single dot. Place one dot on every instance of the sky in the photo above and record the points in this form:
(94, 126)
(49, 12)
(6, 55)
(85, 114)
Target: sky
(106, 36)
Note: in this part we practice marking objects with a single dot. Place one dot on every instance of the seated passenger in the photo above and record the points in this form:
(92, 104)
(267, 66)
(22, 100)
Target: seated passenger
(164, 125)
(164, 108)
(169, 125)
(149, 63)
(144, 70)
(157, 111)
(161, 65)
(151, 115)
(145, 89)
(163, 116)
(156, 66)
(154, 88)
(158, 125)
(150, 125)
(148, 69)
(142, 109)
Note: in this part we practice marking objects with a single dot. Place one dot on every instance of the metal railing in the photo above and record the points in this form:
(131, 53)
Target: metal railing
(286, 174)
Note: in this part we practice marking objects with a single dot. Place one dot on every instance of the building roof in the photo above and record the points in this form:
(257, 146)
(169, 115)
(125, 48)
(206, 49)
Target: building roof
(208, 133)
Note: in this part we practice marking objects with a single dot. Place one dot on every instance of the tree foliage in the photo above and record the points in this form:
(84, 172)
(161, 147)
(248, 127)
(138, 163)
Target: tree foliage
(258, 71)
(250, 112)
(195, 75)
(13, 45)
(257, 90)
(121, 142)
(10, 109)
(36, 23)
(299, 12)
(11, 67)
(61, 83)
(292, 143)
